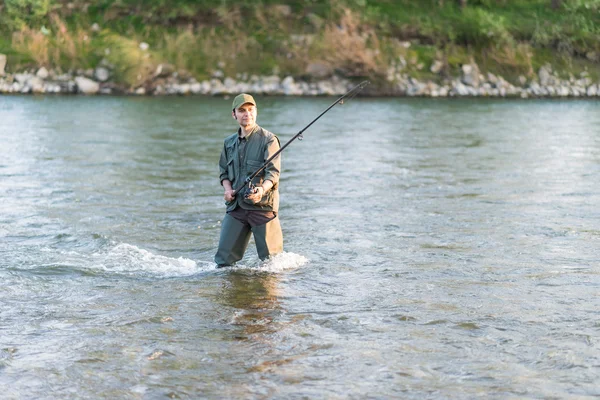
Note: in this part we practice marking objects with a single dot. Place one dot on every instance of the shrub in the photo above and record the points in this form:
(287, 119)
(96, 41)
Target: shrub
(21, 13)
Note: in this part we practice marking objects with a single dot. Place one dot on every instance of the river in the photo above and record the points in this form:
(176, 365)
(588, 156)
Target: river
(434, 249)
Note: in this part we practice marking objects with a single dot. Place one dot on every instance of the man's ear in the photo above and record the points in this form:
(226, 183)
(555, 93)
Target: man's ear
(233, 114)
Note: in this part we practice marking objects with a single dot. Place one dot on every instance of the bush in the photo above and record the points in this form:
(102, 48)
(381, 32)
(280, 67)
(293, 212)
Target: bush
(21, 13)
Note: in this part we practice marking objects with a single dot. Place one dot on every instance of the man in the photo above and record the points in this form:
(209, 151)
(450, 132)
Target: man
(253, 211)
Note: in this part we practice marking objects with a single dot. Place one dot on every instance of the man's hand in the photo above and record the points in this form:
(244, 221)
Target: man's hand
(229, 195)
(256, 195)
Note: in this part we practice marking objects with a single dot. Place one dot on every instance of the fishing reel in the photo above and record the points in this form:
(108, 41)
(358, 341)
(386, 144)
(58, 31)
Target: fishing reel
(249, 190)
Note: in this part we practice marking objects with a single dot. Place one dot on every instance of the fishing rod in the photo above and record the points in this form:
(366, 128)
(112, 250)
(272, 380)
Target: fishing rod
(350, 94)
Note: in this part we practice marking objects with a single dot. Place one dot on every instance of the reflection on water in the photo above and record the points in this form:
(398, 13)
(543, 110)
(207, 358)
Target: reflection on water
(255, 298)
(433, 249)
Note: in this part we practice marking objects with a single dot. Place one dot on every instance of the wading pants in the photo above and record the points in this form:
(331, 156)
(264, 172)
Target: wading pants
(235, 235)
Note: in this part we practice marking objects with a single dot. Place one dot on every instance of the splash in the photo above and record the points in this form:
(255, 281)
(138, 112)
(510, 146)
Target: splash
(129, 259)
(278, 263)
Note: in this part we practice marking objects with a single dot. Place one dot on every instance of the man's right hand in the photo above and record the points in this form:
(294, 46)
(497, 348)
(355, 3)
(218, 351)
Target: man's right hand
(229, 195)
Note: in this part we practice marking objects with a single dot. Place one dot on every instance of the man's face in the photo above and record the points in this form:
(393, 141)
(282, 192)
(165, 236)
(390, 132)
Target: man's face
(245, 115)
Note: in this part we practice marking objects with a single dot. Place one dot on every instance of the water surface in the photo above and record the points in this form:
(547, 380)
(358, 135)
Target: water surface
(433, 249)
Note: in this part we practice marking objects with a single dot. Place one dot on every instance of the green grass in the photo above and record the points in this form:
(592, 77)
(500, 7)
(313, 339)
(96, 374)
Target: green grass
(356, 37)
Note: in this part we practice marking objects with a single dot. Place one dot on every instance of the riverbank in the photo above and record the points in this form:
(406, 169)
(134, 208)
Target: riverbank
(471, 83)
(436, 48)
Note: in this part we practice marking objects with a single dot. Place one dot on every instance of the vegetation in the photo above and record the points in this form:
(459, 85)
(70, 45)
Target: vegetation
(354, 38)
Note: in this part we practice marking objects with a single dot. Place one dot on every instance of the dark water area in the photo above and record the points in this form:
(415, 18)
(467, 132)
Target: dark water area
(441, 249)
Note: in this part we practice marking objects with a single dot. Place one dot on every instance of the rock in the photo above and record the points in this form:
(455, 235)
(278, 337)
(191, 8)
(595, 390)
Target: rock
(87, 86)
(205, 87)
(184, 89)
(545, 75)
(22, 78)
(493, 79)
(216, 87)
(36, 84)
(592, 91)
(470, 75)
(2, 64)
(102, 74)
(592, 56)
(563, 91)
(230, 85)
(95, 27)
(522, 80)
(319, 70)
(140, 91)
(144, 46)
(436, 67)
(459, 89)
(164, 70)
(42, 73)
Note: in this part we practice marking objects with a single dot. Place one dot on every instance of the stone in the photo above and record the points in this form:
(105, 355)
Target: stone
(102, 74)
(2, 64)
(184, 89)
(470, 75)
(42, 73)
(144, 46)
(493, 79)
(95, 27)
(36, 84)
(545, 75)
(87, 86)
(23, 78)
(163, 70)
(230, 84)
(289, 87)
(196, 88)
(319, 70)
(436, 67)
(592, 91)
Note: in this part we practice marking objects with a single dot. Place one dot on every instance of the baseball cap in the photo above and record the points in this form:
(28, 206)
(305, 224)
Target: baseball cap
(243, 99)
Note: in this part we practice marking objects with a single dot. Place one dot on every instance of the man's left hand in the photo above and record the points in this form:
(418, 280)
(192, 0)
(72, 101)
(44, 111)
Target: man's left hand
(257, 194)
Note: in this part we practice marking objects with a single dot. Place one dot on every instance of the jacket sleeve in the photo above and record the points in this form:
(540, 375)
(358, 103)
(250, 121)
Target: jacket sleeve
(273, 168)
(223, 165)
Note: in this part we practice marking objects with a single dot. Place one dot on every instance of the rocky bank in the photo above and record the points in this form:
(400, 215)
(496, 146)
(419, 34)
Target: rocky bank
(470, 83)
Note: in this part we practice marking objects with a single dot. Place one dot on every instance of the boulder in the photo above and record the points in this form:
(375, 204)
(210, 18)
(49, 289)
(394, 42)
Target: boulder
(545, 75)
(36, 84)
(42, 73)
(2, 64)
(470, 75)
(23, 78)
(164, 70)
(87, 86)
(437, 67)
(102, 74)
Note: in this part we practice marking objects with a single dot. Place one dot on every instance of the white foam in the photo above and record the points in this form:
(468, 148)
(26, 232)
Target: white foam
(278, 263)
(130, 259)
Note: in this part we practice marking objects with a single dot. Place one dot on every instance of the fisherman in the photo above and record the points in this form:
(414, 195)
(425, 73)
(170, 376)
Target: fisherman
(251, 208)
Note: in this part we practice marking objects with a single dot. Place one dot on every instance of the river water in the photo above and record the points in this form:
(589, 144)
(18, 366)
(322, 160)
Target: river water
(439, 249)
